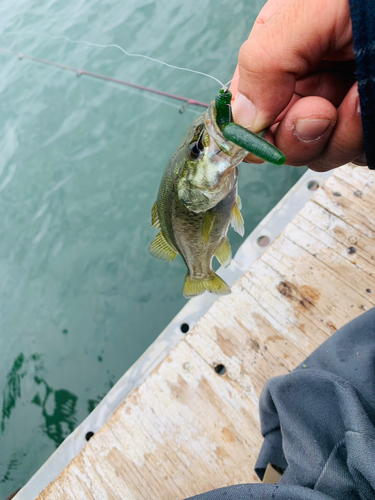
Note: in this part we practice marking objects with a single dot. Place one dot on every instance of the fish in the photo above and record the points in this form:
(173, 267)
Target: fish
(198, 196)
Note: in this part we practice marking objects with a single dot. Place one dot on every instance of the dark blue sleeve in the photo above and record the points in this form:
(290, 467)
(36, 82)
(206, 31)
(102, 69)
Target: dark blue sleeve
(363, 18)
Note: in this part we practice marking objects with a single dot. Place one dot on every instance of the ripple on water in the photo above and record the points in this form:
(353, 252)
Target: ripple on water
(80, 165)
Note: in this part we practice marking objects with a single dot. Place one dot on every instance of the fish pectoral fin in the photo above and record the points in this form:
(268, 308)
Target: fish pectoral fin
(208, 224)
(237, 221)
(238, 201)
(213, 284)
(155, 222)
(224, 252)
(161, 249)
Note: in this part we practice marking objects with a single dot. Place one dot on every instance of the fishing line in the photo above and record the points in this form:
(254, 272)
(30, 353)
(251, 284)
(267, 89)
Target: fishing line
(59, 37)
(80, 72)
(225, 87)
(181, 109)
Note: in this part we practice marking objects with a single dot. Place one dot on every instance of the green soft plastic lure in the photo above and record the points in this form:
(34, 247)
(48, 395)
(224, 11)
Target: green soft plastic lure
(240, 135)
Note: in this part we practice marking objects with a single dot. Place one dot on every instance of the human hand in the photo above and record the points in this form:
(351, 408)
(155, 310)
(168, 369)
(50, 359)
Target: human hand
(296, 76)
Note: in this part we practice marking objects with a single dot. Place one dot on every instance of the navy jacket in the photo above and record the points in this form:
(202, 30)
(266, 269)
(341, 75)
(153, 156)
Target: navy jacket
(363, 18)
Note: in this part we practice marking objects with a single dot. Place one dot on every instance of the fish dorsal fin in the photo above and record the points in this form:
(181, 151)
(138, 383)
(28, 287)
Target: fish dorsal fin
(237, 220)
(161, 249)
(208, 224)
(223, 252)
(155, 216)
(239, 202)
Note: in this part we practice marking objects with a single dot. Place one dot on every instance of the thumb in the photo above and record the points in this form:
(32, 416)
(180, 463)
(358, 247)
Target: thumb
(289, 45)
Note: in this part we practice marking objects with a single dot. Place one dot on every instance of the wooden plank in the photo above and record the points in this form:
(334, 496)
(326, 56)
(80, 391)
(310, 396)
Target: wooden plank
(188, 429)
(363, 185)
(362, 220)
(343, 232)
(345, 266)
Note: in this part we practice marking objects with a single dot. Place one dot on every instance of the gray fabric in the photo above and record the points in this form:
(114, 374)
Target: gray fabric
(261, 492)
(319, 423)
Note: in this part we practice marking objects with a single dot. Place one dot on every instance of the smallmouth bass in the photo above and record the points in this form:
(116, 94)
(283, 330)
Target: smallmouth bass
(198, 199)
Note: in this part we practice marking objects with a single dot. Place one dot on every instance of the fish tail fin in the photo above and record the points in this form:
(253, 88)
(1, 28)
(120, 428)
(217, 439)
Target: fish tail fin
(213, 284)
(216, 285)
(193, 287)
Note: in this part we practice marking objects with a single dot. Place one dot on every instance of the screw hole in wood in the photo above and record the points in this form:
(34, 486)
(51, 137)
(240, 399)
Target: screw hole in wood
(220, 369)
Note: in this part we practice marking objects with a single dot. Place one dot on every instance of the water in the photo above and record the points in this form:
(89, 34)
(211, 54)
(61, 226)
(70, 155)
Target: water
(80, 165)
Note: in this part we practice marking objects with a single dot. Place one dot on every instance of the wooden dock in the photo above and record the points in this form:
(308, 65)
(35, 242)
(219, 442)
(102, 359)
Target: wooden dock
(190, 427)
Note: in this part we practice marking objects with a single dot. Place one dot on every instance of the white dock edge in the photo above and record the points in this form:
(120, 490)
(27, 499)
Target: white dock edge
(271, 226)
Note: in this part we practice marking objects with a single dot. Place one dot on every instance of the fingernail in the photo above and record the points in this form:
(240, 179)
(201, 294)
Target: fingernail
(243, 110)
(310, 129)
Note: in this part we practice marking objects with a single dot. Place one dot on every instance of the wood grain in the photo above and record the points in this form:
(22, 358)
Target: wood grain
(188, 429)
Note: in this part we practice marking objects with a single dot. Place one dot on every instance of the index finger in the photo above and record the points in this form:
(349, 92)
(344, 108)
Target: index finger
(296, 37)
(267, 11)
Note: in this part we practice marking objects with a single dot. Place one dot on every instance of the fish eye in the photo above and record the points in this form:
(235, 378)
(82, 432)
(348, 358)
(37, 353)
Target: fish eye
(196, 150)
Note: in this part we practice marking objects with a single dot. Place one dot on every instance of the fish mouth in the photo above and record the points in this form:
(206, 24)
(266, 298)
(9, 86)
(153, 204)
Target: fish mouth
(206, 181)
(233, 153)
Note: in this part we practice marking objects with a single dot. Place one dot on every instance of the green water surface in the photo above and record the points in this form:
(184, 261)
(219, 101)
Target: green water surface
(80, 164)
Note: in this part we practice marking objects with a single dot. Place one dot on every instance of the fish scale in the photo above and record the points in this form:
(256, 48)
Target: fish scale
(198, 199)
